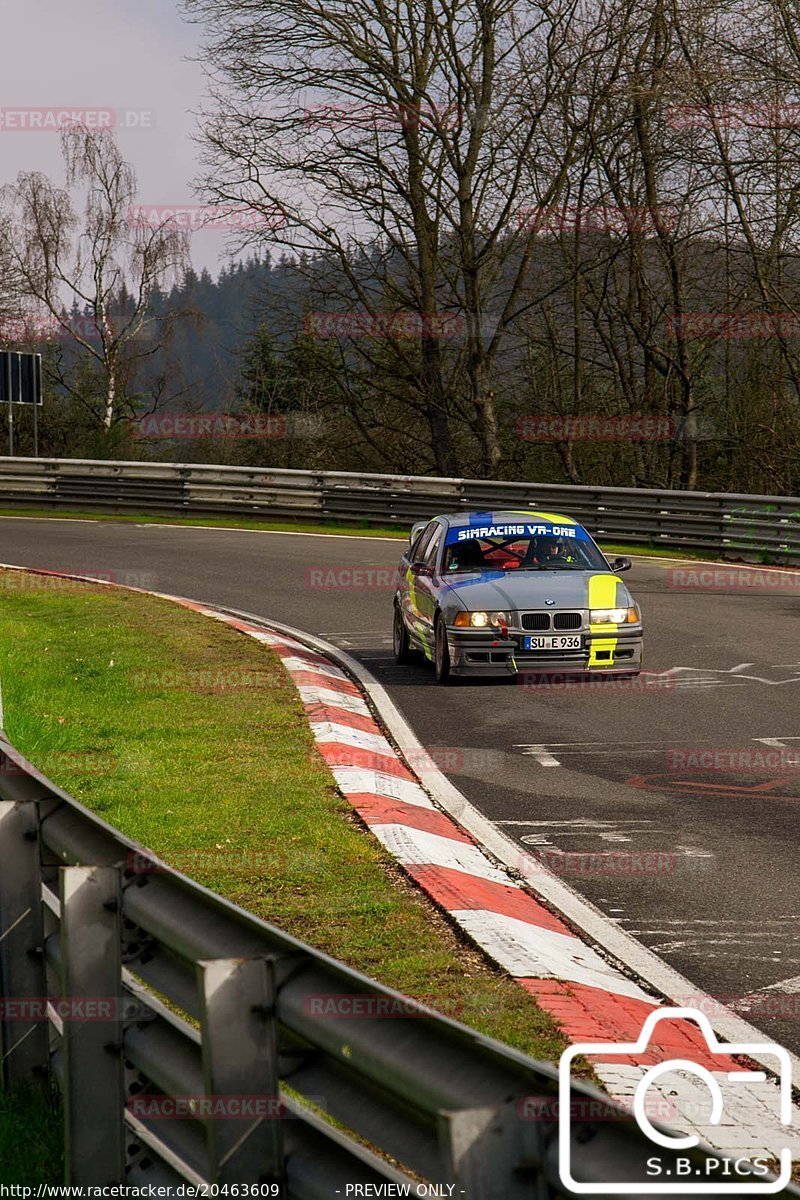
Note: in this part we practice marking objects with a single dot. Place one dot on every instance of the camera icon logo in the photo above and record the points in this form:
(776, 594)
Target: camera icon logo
(684, 1175)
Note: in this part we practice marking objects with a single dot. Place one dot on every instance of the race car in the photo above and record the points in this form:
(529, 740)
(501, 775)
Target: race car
(501, 593)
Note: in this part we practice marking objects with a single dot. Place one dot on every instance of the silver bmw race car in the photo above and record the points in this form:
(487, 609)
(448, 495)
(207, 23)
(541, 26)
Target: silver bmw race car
(499, 593)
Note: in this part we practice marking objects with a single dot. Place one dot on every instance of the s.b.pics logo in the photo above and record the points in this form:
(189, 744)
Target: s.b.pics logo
(717, 1095)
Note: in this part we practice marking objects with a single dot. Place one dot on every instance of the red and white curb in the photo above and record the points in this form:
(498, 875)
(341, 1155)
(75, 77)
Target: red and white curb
(591, 1000)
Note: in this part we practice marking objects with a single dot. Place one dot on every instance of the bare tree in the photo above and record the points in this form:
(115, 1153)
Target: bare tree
(101, 264)
(403, 142)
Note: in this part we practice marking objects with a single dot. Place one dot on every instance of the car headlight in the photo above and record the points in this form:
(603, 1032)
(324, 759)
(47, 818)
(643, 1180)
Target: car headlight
(614, 616)
(481, 620)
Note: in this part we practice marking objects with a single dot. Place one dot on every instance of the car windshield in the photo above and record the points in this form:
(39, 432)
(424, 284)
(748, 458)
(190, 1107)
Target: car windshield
(538, 553)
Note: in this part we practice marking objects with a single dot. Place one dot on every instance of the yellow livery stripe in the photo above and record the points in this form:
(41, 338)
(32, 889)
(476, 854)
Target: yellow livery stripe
(556, 518)
(603, 591)
(603, 594)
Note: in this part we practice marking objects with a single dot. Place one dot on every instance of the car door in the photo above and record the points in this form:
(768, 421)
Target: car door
(426, 585)
(410, 580)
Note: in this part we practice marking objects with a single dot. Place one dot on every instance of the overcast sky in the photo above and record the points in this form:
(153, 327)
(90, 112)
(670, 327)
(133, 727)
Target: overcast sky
(128, 55)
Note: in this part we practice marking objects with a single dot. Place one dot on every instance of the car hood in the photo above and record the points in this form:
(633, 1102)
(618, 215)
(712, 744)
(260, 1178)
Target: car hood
(506, 590)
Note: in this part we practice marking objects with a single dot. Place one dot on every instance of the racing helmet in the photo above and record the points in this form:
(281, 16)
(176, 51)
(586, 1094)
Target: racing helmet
(466, 555)
(550, 546)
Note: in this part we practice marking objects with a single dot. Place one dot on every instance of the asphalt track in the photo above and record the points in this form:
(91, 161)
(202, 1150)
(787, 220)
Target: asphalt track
(698, 861)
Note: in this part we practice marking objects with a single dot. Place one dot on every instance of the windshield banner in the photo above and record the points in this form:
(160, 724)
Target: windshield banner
(507, 530)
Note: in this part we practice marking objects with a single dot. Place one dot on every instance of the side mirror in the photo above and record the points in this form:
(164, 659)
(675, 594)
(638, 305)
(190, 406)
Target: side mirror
(621, 564)
(422, 569)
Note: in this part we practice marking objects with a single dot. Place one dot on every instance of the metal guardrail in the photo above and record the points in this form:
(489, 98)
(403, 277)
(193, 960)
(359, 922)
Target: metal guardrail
(726, 525)
(138, 989)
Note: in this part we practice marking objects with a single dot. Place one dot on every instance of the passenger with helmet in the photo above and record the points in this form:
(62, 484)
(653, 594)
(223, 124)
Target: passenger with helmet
(466, 556)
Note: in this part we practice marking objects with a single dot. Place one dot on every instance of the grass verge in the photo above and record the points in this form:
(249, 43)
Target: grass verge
(30, 1138)
(192, 740)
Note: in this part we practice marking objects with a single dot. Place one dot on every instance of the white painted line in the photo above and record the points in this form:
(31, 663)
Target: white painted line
(362, 537)
(789, 987)
(590, 824)
(361, 780)
(65, 521)
(293, 664)
(540, 753)
(346, 735)
(281, 643)
(310, 694)
(529, 951)
(417, 847)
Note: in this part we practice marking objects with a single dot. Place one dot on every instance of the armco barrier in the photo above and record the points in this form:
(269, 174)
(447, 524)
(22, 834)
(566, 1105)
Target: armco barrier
(727, 526)
(187, 1040)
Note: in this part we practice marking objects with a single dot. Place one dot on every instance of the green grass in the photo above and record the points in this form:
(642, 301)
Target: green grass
(191, 739)
(30, 1138)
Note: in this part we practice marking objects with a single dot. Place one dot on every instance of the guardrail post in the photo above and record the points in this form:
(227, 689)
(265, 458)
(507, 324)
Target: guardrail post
(240, 1071)
(24, 1041)
(91, 1013)
(494, 1153)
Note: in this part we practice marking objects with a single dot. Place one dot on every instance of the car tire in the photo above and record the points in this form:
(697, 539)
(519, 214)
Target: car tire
(400, 642)
(441, 654)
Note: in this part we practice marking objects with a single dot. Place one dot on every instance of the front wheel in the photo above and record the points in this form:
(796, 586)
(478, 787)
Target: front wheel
(400, 644)
(441, 657)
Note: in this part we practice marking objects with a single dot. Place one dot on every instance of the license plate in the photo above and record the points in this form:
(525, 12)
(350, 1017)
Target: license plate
(566, 642)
